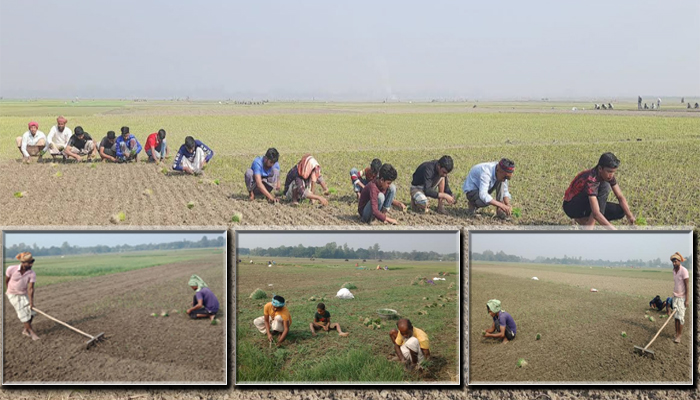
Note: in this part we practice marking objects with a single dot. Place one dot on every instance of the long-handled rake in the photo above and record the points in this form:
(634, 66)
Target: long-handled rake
(93, 339)
(644, 350)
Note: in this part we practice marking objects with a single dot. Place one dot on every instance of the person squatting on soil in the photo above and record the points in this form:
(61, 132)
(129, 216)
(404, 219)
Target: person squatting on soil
(156, 146)
(430, 180)
(275, 319)
(681, 293)
(660, 305)
(192, 157)
(301, 181)
(204, 303)
(80, 144)
(31, 143)
(263, 176)
(128, 148)
(411, 344)
(108, 147)
(59, 135)
(377, 197)
(360, 179)
(503, 326)
(20, 280)
(585, 201)
(487, 178)
(322, 320)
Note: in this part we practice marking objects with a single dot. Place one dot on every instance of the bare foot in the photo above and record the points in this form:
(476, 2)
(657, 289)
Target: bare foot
(677, 339)
(25, 333)
(251, 196)
(34, 336)
(441, 210)
(344, 334)
(505, 340)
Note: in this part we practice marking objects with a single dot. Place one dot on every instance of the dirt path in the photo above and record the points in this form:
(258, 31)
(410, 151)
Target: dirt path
(138, 347)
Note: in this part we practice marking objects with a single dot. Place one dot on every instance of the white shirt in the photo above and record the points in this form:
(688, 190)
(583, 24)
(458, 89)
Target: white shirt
(58, 138)
(31, 140)
(483, 177)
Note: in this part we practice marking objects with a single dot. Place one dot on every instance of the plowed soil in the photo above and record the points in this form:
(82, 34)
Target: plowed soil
(138, 347)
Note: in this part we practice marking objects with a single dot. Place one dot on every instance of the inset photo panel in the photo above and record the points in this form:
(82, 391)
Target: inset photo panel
(581, 307)
(115, 307)
(348, 308)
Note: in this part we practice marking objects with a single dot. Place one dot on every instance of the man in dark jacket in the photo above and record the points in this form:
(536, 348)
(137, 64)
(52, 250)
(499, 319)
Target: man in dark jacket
(430, 180)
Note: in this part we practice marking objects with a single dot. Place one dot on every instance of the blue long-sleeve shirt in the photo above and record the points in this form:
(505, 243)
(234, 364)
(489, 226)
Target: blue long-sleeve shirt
(184, 153)
(120, 141)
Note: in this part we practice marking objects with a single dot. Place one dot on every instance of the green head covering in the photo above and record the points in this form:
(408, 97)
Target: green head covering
(494, 305)
(197, 281)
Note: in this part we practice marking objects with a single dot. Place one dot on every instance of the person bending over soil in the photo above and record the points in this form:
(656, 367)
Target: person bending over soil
(204, 303)
(377, 197)
(586, 199)
(301, 181)
(430, 180)
(275, 319)
(411, 344)
(322, 320)
(487, 178)
(360, 179)
(263, 176)
(503, 326)
(128, 148)
(192, 157)
(31, 143)
(108, 147)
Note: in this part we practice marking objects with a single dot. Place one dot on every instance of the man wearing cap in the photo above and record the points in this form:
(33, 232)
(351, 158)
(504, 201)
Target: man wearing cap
(156, 148)
(586, 199)
(503, 326)
(108, 147)
(32, 142)
(430, 180)
(192, 157)
(128, 148)
(485, 179)
(59, 135)
(276, 318)
(681, 293)
(80, 144)
(20, 280)
(411, 344)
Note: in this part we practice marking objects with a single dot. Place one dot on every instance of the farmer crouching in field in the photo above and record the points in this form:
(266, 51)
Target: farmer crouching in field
(204, 304)
(80, 144)
(192, 157)
(32, 142)
(360, 179)
(377, 197)
(128, 148)
(20, 280)
(59, 135)
(485, 179)
(263, 176)
(276, 318)
(411, 344)
(156, 146)
(322, 320)
(430, 180)
(503, 326)
(681, 293)
(108, 147)
(660, 305)
(586, 199)
(301, 181)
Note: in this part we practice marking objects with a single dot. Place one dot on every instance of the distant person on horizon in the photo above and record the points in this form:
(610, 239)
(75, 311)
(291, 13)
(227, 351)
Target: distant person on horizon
(275, 319)
(31, 143)
(487, 178)
(430, 180)
(639, 102)
(681, 293)
(301, 181)
(263, 176)
(585, 201)
(192, 157)
(361, 178)
(503, 325)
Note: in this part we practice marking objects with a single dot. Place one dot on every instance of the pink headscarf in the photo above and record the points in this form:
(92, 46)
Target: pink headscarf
(307, 166)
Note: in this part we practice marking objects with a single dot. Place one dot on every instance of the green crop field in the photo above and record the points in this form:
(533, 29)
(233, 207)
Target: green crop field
(549, 143)
(50, 270)
(363, 356)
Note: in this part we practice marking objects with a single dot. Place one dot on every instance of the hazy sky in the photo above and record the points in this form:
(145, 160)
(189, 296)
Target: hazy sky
(101, 238)
(442, 243)
(356, 50)
(592, 246)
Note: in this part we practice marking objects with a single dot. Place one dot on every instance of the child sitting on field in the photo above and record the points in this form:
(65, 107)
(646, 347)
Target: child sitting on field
(360, 179)
(322, 320)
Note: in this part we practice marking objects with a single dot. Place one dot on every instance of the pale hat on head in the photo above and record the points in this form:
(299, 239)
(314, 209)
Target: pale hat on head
(25, 257)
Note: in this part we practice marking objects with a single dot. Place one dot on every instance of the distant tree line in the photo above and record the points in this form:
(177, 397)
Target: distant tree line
(333, 251)
(489, 255)
(66, 249)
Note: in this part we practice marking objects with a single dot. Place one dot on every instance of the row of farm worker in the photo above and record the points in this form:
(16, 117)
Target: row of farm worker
(585, 200)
